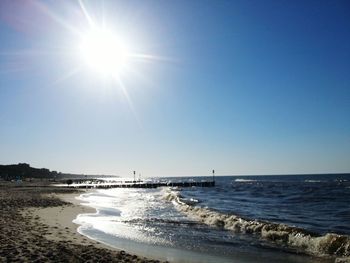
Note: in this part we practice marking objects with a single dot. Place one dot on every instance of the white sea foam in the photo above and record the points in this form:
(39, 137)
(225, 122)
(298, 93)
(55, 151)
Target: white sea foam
(341, 180)
(244, 180)
(115, 208)
(313, 181)
(296, 238)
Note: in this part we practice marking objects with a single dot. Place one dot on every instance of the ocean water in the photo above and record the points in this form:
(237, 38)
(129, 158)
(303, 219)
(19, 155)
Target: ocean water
(295, 218)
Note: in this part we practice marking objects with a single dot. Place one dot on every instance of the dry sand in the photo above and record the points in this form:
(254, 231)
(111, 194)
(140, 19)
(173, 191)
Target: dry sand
(36, 226)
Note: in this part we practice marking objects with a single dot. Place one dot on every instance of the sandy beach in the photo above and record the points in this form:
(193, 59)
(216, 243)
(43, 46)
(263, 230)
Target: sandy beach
(36, 225)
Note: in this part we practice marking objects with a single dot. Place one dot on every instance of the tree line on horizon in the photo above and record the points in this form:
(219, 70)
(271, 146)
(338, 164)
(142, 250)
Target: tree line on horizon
(23, 171)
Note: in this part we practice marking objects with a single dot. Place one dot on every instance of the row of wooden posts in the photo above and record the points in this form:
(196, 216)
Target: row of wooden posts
(140, 184)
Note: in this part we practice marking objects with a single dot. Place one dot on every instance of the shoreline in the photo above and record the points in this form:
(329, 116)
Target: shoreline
(60, 220)
(63, 217)
(36, 225)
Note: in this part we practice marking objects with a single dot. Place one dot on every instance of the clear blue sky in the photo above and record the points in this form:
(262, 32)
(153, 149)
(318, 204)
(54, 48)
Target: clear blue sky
(243, 87)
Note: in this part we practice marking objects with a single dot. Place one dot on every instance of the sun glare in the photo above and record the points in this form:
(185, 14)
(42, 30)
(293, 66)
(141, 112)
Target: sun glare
(104, 52)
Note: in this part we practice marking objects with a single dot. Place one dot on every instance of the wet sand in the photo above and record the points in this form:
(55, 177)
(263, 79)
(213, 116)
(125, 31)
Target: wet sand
(36, 225)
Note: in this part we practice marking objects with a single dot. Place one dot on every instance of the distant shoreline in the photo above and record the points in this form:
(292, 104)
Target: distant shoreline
(23, 171)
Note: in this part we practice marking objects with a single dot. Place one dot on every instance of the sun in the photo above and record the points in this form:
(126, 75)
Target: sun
(104, 52)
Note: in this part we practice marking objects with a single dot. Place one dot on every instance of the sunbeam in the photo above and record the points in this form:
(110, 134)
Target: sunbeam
(130, 103)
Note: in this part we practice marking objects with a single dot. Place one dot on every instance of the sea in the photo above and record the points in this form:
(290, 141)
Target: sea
(289, 218)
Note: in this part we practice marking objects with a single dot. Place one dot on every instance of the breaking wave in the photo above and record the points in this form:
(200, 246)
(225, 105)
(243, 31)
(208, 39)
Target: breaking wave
(244, 180)
(161, 221)
(314, 181)
(295, 238)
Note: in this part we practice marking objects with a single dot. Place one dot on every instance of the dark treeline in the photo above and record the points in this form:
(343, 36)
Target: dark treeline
(23, 171)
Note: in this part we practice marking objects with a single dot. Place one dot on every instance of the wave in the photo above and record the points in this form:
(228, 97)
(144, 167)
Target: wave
(296, 238)
(341, 180)
(161, 221)
(244, 180)
(314, 181)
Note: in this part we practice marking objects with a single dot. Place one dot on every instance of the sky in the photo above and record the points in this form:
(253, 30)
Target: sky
(242, 87)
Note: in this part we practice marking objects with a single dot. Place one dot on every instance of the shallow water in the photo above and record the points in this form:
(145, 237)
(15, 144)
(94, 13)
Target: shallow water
(201, 224)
